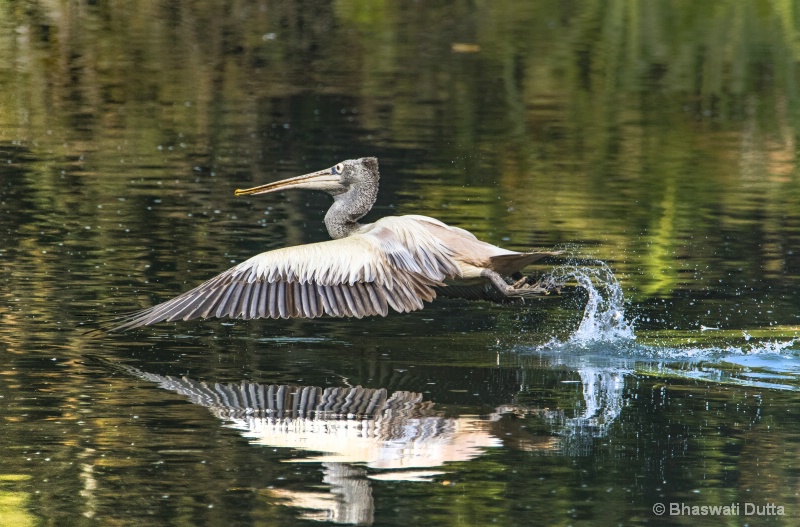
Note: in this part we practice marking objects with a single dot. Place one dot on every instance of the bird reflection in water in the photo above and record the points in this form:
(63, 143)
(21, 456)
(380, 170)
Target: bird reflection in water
(350, 429)
(361, 434)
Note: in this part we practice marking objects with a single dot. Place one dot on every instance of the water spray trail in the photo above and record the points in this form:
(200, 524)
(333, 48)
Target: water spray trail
(604, 315)
(604, 323)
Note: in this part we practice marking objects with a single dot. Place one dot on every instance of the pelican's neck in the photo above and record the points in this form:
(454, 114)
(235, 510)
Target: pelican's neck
(348, 207)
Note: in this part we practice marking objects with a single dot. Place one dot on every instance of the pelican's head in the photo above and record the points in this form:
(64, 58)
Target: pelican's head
(353, 174)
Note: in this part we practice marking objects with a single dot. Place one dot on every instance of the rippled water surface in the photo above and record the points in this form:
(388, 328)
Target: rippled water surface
(655, 143)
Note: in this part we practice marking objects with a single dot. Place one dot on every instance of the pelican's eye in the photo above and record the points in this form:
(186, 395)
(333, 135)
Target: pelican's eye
(338, 169)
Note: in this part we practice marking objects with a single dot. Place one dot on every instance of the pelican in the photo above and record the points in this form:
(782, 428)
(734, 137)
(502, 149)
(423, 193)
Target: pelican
(398, 262)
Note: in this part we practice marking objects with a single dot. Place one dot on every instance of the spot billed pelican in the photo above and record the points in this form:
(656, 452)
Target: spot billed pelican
(398, 262)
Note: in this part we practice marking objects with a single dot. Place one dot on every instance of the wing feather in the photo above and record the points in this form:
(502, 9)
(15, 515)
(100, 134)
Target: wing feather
(327, 306)
(304, 301)
(273, 300)
(262, 305)
(363, 298)
(394, 263)
(297, 300)
(281, 297)
(222, 303)
(243, 306)
(354, 301)
(379, 308)
(232, 307)
(252, 306)
(318, 295)
(207, 307)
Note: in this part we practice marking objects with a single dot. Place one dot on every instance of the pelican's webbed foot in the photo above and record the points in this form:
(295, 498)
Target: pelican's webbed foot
(524, 287)
(544, 284)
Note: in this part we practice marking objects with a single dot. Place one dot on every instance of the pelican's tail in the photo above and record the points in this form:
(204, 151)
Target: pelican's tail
(508, 264)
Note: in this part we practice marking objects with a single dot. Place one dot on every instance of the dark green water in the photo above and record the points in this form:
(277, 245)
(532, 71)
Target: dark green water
(657, 137)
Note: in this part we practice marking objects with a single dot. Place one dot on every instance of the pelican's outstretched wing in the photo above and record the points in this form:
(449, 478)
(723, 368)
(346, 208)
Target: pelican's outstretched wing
(392, 263)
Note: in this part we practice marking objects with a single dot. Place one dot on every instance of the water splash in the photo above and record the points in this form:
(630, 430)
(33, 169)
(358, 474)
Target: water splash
(604, 349)
(604, 315)
(604, 326)
(768, 347)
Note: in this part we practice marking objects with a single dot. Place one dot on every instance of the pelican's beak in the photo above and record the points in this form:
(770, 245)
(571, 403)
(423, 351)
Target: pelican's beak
(321, 180)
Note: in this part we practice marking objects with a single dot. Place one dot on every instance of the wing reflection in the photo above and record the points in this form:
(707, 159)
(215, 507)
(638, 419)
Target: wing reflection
(345, 427)
(355, 431)
(345, 424)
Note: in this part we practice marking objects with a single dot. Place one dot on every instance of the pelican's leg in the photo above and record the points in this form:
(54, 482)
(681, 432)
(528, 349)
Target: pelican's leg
(520, 288)
(547, 283)
(520, 280)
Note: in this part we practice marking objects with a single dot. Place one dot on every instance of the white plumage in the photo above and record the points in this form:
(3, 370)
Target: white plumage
(398, 262)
